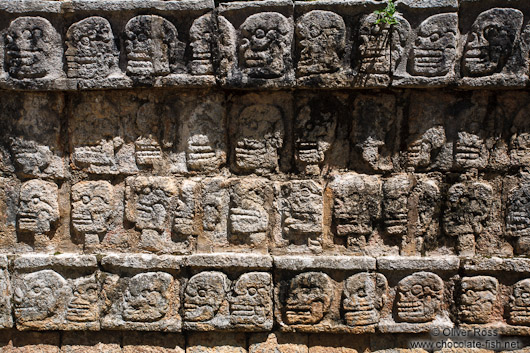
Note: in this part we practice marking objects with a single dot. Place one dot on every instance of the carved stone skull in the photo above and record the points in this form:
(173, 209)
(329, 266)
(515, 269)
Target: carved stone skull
(518, 211)
(477, 298)
(265, 45)
(201, 40)
(33, 49)
(204, 295)
(374, 47)
(322, 39)
(363, 297)
(491, 41)
(39, 208)
(421, 147)
(92, 52)
(83, 305)
(520, 303)
(419, 297)
(396, 191)
(147, 297)
(92, 206)
(251, 299)
(434, 52)
(184, 215)
(309, 298)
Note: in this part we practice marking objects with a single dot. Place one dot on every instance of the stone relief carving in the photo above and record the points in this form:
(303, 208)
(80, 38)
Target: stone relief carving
(34, 159)
(321, 39)
(33, 49)
(301, 206)
(6, 320)
(308, 299)
(518, 214)
(363, 296)
(83, 307)
(519, 305)
(467, 212)
(146, 301)
(250, 205)
(477, 299)
(491, 41)
(93, 206)
(259, 137)
(215, 208)
(396, 192)
(185, 227)
(152, 47)
(265, 41)
(419, 297)
(201, 42)
(205, 299)
(434, 50)
(38, 207)
(39, 300)
(91, 51)
(149, 206)
(356, 207)
(251, 301)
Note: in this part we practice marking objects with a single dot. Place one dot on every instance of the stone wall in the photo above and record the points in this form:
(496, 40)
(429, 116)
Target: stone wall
(263, 176)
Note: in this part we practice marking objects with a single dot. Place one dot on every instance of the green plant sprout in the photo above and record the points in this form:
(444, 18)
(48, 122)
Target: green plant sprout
(387, 14)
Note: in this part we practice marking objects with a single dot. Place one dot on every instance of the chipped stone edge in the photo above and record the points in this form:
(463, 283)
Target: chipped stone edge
(345, 263)
(229, 260)
(66, 261)
(397, 263)
(127, 262)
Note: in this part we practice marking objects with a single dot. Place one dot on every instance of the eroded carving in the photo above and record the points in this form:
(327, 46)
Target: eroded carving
(301, 213)
(419, 297)
(477, 299)
(364, 295)
(204, 295)
(38, 208)
(147, 297)
(92, 52)
(36, 160)
(491, 41)
(356, 206)
(519, 306)
(518, 211)
(152, 47)
(434, 51)
(322, 40)
(83, 304)
(184, 222)
(92, 209)
(308, 299)
(38, 298)
(251, 300)
(265, 45)
(6, 320)
(259, 137)
(33, 49)
(396, 191)
(374, 46)
(201, 42)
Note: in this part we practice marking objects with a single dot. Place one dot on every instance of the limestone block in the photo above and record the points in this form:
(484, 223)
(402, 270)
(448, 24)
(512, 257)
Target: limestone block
(216, 343)
(278, 342)
(32, 342)
(256, 44)
(56, 292)
(6, 319)
(478, 295)
(153, 342)
(90, 342)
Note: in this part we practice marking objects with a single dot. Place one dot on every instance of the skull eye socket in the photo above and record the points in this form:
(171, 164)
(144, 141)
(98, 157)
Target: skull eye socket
(35, 200)
(361, 292)
(260, 33)
(85, 199)
(470, 292)
(435, 37)
(491, 32)
(146, 190)
(525, 295)
(252, 291)
(202, 293)
(142, 37)
(417, 289)
(314, 31)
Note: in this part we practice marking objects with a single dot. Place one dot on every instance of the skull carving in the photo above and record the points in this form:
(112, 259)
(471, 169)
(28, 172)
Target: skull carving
(419, 297)
(33, 49)
(470, 149)
(309, 298)
(147, 297)
(322, 40)
(32, 158)
(363, 297)
(92, 206)
(204, 295)
(356, 204)
(265, 45)
(520, 303)
(396, 191)
(83, 305)
(422, 147)
(92, 52)
(374, 47)
(39, 208)
(184, 215)
(518, 211)
(259, 137)
(251, 299)
(434, 52)
(477, 298)
(520, 148)
(152, 46)
(201, 40)
(491, 41)
(38, 295)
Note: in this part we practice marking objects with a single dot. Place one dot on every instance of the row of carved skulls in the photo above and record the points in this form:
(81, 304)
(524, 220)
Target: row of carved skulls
(263, 49)
(158, 204)
(211, 298)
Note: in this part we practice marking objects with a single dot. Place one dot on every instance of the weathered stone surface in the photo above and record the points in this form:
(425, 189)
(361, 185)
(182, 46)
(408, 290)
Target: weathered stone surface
(90, 342)
(230, 260)
(298, 263)
(278, 342)
(6, 319)
(477, 299)
(153, 342)
(216, 343)
(363, 296)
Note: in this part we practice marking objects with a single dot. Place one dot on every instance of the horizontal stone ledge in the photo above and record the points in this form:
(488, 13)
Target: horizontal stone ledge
(66, 261)
(229, 260)
(402, 263)
(495, 264)
(299, 263)
(135, 262)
